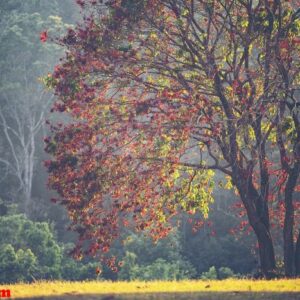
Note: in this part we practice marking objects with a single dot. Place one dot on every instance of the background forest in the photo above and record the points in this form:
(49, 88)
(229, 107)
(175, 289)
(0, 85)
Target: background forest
(34, 240)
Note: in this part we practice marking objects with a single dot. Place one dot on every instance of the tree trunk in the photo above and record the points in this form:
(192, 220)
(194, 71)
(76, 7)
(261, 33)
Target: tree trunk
(266, 250)
(297, 255)
(27, 201)
(257, 212)
(288, 242)
(288, 229)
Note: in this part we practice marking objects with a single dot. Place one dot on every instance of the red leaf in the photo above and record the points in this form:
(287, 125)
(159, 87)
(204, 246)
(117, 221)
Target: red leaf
(43, 36)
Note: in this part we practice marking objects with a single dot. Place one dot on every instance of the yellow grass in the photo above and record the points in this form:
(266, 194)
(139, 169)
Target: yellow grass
(62, 288)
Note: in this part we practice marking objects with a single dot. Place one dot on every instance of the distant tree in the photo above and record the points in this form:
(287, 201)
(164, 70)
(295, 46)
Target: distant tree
(204, 250)
(211, 274)
(16, 265)
(28, 250)
(144, 260)
(78, 270)
(24, 102)
(162, 99)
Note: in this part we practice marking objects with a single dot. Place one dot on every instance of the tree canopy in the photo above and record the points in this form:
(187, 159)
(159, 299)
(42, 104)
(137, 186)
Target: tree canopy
(160, 95)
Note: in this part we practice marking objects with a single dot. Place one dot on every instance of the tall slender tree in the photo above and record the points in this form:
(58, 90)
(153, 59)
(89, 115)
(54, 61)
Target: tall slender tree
(23, 100)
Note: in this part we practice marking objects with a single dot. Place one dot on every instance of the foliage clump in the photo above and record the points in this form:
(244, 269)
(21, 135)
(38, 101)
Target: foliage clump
(163, 261)
(221, 273)
(29, 252)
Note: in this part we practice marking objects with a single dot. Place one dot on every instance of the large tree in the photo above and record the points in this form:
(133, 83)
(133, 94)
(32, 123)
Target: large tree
(161, 94)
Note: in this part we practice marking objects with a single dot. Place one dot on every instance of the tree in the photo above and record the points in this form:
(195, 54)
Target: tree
(16, 265)
(24, 101)
(159, 101)
(216, 245)
(28, 250)
(144, 261)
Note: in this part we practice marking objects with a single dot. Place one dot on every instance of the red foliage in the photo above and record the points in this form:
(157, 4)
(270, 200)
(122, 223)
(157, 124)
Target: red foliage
(139, 103)
(44, 36)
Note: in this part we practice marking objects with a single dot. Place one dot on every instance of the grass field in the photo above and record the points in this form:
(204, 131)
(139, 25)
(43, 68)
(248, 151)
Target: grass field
(226, 289)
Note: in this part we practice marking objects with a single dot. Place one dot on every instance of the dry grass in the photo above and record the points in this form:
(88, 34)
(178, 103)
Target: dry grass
(65, 289)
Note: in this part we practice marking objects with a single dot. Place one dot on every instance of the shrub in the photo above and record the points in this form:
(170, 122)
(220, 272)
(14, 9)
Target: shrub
(130, 269)
(221, 273)
(225, 272)
(160, 269)
(163, 270)
(210, 274)
(144, 260)
(29, 251)
(16, 266)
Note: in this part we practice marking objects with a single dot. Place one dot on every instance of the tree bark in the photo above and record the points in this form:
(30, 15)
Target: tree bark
(266, 248)
(266, 251)
(288, 243)
(288, 229)
(257, 212)
(297, 255)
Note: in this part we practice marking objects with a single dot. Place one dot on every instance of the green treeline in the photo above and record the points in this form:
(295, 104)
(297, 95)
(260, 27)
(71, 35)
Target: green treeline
(32, 250)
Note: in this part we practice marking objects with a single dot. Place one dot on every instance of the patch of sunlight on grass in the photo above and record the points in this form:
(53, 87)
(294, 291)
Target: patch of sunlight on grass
(59, 288)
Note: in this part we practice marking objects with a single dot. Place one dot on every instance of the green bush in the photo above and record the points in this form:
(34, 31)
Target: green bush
(130, 269)
(29, 252)
(221, 273)
(8, 264)
(225, 272)
(16, 265)
(144, 260)
(163, 270)
(160, 269)
(77, 270)
(210, 274)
